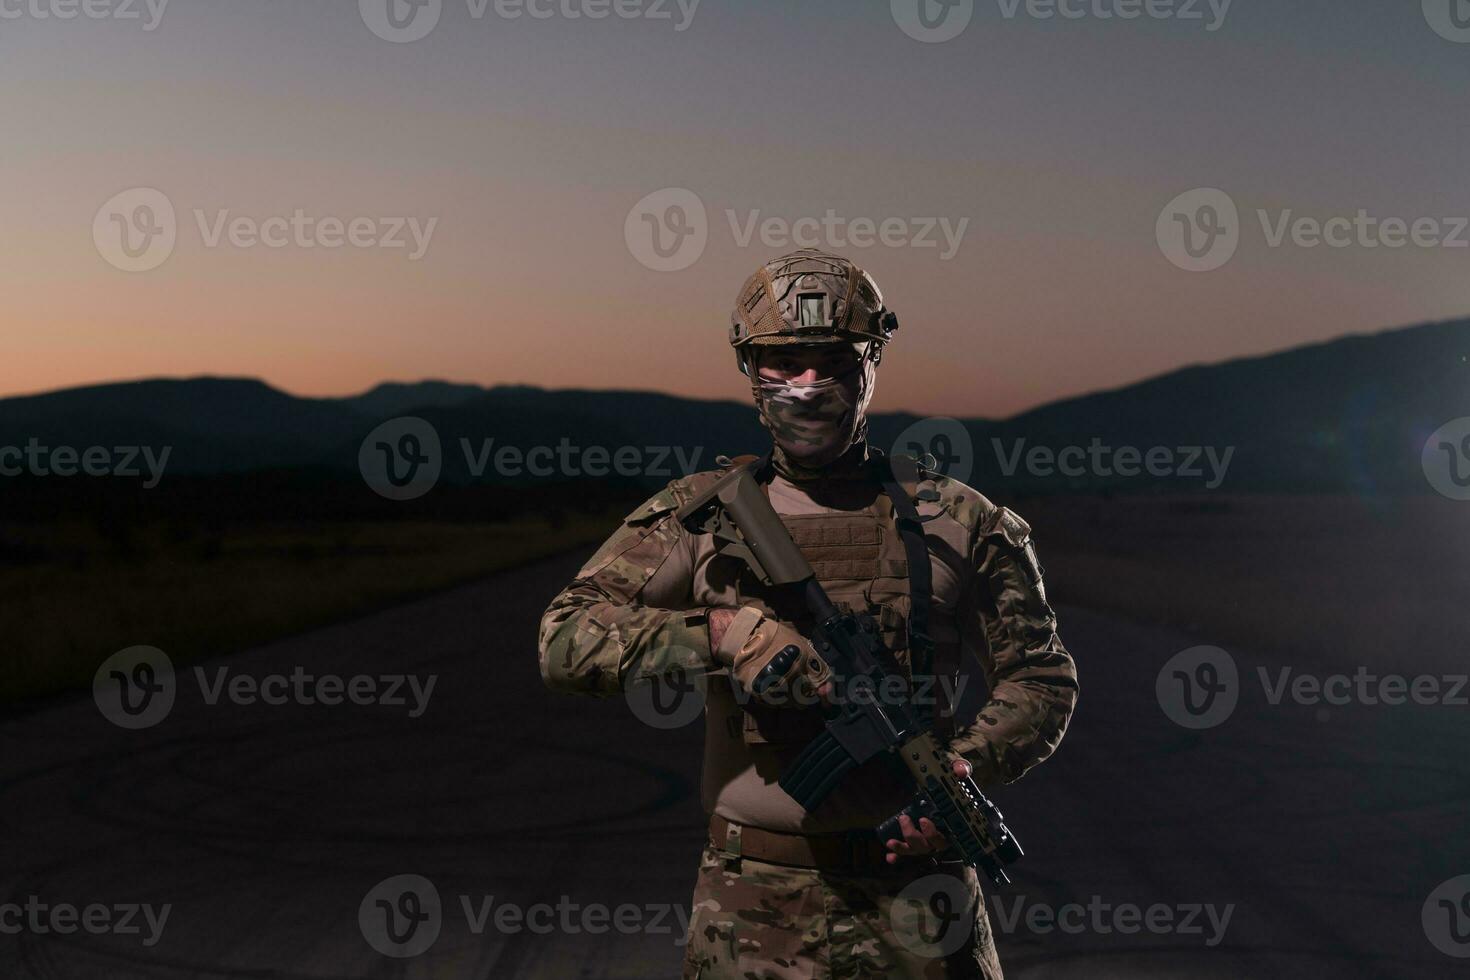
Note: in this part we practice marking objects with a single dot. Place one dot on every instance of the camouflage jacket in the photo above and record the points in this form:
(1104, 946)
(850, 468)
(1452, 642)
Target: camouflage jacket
(638, 609)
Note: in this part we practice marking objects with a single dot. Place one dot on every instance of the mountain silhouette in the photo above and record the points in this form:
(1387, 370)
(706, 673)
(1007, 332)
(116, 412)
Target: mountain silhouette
(1348, 415)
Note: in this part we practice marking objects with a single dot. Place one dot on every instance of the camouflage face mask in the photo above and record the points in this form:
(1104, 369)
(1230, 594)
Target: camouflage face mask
(816, 423)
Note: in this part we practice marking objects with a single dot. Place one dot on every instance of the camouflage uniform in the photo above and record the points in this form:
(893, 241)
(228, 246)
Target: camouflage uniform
(754, 919)
(638, 611)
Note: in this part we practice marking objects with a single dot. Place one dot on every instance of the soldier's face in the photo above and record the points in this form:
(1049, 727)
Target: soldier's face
(813, 397)
(805, 364)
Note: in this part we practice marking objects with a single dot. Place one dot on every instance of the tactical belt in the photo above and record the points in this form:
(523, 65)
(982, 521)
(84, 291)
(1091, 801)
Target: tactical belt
(852, 852)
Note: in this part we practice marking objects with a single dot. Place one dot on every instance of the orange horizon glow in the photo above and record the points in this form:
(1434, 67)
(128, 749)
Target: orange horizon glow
(529, 144)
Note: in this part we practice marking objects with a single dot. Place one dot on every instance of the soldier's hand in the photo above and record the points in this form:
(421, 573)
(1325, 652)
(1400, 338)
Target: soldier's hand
(773, 662)
(924, 838)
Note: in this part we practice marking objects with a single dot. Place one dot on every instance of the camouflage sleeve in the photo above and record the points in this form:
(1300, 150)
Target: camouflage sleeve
(1032, 678)
(602, 632)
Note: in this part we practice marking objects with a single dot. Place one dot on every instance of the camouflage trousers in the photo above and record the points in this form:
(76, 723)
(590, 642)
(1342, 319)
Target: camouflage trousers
(756, 920)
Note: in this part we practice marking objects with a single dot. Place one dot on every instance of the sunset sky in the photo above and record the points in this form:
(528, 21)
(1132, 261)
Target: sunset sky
(527, 141)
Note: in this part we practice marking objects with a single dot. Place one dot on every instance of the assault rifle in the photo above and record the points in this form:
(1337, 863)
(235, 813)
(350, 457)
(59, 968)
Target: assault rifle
(869, 718)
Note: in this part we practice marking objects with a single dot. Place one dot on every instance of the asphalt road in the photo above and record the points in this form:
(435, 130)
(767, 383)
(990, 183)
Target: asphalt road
(258, 836)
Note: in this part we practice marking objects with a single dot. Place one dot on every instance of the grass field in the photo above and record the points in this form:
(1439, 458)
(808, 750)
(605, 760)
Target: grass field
(71, 596)
(1345, 579)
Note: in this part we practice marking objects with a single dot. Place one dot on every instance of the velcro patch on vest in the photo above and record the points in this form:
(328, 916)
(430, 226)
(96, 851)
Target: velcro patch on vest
(839, 548)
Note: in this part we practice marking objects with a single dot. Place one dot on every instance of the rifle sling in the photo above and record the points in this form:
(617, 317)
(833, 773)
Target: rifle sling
(921, 588)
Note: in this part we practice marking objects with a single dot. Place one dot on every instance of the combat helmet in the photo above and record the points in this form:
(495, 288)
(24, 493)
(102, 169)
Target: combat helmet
(809, 297)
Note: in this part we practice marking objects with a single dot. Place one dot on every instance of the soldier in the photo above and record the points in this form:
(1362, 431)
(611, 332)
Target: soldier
(782, 892)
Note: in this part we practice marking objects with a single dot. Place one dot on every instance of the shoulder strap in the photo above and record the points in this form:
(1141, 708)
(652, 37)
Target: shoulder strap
(921, 583)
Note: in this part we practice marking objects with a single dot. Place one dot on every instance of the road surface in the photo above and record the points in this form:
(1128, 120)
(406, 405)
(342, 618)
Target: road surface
(252, 840)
